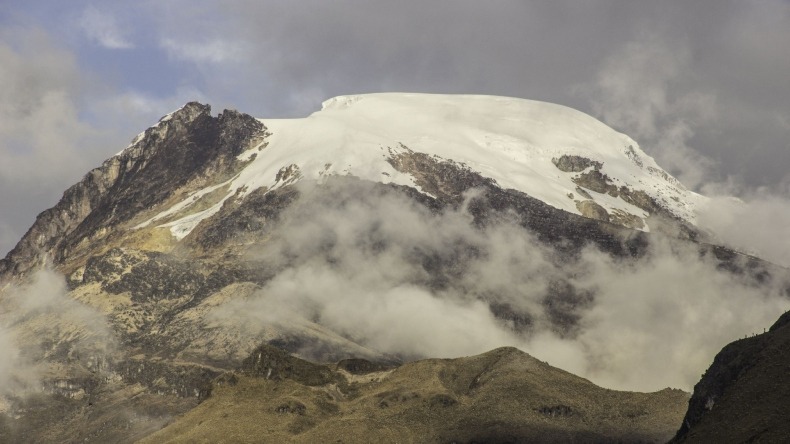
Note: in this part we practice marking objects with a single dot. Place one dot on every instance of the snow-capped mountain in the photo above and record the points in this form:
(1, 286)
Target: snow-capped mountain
(389, 227)
(558, 155)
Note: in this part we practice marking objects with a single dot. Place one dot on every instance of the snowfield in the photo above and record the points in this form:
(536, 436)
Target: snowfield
(512, 141)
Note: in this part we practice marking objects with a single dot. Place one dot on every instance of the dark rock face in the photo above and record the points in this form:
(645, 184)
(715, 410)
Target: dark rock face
(450, 182)
(153, 278)
(743, 396)
(445, 179)
(592, 179)
(357, 366)
(185, 147)
(254, 216)
(272, 363)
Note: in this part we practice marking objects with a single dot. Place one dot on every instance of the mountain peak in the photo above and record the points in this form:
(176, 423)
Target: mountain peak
(516, 142)
(189, 112)
(552, 153)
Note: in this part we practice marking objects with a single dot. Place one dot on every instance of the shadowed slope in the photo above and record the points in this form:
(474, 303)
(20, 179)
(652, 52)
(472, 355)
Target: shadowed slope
(743, 397)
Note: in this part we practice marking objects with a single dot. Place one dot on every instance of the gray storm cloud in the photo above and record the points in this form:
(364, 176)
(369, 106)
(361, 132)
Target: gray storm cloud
(397, 278)
(710, 78)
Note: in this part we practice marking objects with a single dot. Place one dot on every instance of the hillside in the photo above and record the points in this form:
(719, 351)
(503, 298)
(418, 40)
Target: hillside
(743, 396)
(501, 396)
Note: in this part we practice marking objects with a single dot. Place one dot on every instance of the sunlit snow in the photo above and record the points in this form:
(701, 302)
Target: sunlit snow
(509, 140)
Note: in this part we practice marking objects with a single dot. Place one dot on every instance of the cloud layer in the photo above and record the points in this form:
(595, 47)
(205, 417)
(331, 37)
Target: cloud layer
(400, 279)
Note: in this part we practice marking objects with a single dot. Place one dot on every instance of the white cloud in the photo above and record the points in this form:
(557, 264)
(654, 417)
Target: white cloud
(102, 28)
(40, 130)
(636, 92)
(758, 224)
(36, 314)
(392, 276)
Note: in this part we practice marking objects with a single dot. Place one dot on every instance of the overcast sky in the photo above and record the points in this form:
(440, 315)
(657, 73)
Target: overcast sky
(703, 86)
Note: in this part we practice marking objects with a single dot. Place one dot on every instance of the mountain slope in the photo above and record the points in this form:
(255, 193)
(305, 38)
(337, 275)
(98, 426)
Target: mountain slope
(501, 396)
(186, 148)
(743, 396)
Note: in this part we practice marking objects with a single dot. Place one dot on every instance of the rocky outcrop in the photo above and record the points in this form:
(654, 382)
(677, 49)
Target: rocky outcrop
(443, 178)
(272, 363)
(186, 146)
(590, 209)
(575, 164)
(595, 180)
(626, 219)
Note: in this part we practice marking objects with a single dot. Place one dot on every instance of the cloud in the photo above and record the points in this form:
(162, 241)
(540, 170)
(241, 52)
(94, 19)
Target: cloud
(395, 277)
(102, 28)
(40, 324)
(636, 91)
(659, 322)
(757, 225)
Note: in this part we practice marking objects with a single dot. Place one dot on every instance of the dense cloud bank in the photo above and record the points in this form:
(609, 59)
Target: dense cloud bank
(399, 278)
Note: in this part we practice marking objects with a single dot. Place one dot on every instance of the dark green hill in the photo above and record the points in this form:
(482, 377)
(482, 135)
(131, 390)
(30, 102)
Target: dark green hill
(745, 394)
(504, 395)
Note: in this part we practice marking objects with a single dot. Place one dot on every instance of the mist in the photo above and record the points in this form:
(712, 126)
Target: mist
(394, 276)
(41, 325)
(756, 224)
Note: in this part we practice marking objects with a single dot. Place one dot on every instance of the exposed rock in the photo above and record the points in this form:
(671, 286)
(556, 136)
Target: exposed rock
(272, 363)
(625, 219)
(640, 199)
(186, 146)
(575, 164)
(583, 193)
(590, 209)
(357, 366)
(442, 178)
(597, 181)
(631, 153)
